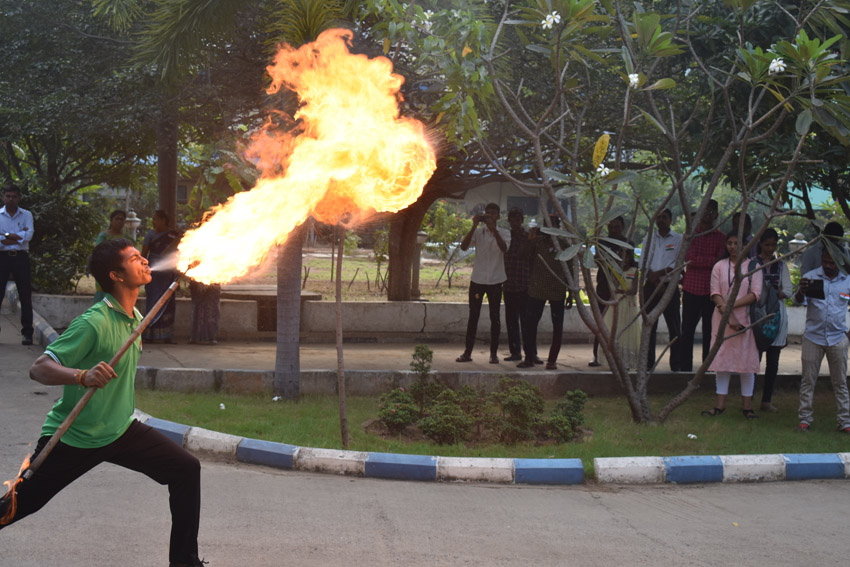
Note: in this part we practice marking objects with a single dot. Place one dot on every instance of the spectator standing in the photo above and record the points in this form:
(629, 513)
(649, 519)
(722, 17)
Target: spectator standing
(705, 250)
(659, 257)
(206, 312)
(748, 233)
(546, 284)
(488, 275)
(738, 352)
(812, 255)
(777, 276)
(826, 334)
(158, 244)
(16, 231)
(616, 228)
(627, 328)
(517, 269)
(114, 232)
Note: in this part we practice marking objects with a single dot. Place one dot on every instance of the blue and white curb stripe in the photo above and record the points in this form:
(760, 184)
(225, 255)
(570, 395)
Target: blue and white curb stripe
(725, 468)
(620, 470)
(373, 465)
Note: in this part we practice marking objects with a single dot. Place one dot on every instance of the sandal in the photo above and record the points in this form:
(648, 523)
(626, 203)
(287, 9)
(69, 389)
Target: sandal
(716, 411)
(464, 358)
(749, 414)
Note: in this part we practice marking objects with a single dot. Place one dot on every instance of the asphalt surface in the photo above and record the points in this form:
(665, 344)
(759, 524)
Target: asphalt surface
(260, 516)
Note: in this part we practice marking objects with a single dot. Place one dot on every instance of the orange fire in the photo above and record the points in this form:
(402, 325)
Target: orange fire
(9, 515)
(352, 154)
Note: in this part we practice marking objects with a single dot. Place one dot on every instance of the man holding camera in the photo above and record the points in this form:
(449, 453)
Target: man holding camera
(488, 275)
(828, 294)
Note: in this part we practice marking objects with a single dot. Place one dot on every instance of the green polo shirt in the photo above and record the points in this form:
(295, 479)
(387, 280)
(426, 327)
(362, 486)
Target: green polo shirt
(96, 336)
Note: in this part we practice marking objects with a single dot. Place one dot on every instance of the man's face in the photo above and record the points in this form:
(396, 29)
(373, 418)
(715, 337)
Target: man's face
(830, 268)
(515, 220)
(11, 200)
(135, 271)
(493, 213)
(663, 222)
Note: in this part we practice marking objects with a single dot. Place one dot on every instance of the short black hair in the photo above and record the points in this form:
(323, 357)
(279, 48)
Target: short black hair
(11, 188)
(667, 212)
(117, 212)
(516, 211)
(833, 229)
(768, 234)
(489, 206)
(106, 258)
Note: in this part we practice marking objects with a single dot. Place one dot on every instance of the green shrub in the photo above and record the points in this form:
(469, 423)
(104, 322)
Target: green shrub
(520, 410)
(567, 416)
(424, 390)
(397, 410)
(447, 423)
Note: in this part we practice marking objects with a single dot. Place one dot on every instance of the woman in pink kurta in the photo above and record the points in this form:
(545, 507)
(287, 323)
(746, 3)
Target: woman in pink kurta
(737, 354)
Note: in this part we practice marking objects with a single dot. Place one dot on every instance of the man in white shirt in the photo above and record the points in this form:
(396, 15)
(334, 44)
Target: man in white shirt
(16, 230)
(488, 275)
(658, 261)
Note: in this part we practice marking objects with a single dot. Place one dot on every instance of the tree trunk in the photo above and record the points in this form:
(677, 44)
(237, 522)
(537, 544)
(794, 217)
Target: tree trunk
(287, 368)
(402, 249)
(166, 162)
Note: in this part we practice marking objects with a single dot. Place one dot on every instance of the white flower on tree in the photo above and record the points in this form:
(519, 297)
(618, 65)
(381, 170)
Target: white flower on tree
(551, 20)
(776, 66)
(602, 170)
(634, 79)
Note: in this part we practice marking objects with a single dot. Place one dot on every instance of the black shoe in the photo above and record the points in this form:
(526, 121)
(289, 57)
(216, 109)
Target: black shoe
(512, 358)
(538, 361)
(26, 341)
(525, 364)
(494, 359)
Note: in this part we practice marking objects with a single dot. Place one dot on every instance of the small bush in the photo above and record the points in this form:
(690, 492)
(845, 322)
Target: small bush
(520, 410)
(397, 410)
(567, 416)
(448, 423)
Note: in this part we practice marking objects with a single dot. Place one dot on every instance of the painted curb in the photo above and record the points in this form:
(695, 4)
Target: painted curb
(753, 468)
(175, 431)
(468, 469)
(629, 470)
(548, 471)
(809, 466)
(268, 453)
(401, 467)
(693, 469)
(212, 442)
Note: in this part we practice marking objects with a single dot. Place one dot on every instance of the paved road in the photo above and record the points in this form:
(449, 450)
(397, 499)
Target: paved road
(259, 516)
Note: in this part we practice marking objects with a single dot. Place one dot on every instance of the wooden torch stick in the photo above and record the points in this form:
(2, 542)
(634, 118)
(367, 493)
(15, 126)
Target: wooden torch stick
(60, 431)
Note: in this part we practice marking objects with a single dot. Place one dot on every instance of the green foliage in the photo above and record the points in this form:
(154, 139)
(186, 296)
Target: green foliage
(446, 225)
(65, 229)
(397, 410)
(447, 423)
(351, 242)
(567, 416)
(520, 410)
(423, 356)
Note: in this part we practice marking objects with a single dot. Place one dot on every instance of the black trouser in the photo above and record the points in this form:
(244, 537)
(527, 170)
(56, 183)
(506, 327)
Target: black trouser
(17, 264)
(694, 308)
(142, 449)
(514, 315)
(771, 369)
(674, 325)
(533, 313)
(494, 299)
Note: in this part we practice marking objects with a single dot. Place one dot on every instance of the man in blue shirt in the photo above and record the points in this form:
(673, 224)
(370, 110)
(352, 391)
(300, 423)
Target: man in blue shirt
(16, 230)
(826, 334)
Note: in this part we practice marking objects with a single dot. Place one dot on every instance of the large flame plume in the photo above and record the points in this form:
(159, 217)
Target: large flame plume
(351, 154)
(11, 495)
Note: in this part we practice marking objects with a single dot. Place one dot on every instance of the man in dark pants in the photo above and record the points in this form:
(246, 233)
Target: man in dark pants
(517, 269)
(16, 230)
(105, 430)
(659, 260)
(488, 275)
(707, 247)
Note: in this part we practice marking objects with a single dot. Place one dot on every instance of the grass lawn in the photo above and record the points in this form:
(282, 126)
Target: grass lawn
(314, 422)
